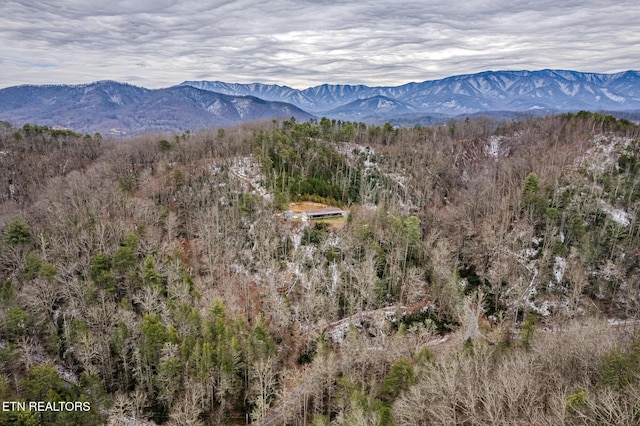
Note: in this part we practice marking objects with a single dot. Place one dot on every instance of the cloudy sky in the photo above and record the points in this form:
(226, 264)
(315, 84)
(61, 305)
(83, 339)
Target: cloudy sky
(302, 43)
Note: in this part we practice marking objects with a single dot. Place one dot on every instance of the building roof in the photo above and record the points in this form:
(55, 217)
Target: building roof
(325, 212)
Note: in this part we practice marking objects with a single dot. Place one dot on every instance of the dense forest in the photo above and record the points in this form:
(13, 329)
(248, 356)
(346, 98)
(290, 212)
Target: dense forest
(487, 273)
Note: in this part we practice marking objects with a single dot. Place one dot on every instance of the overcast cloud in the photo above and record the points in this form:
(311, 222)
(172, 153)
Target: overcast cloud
(159, 43)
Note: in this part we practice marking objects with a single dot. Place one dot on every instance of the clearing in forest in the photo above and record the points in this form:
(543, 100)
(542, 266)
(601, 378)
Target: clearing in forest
(318, 212)
(303, 206)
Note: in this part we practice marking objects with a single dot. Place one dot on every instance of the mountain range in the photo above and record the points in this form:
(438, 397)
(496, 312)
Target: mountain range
(120, 108)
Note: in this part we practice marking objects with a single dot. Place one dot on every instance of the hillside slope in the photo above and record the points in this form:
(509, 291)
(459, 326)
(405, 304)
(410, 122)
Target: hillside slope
(485, 270)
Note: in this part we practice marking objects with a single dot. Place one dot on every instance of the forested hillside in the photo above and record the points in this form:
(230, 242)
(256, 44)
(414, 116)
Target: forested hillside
(487, 273)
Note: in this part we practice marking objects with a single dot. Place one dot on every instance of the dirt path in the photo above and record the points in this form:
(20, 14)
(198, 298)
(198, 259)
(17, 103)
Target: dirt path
(307, 205)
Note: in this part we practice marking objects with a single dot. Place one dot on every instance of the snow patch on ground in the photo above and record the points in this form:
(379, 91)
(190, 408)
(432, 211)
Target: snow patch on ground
(249, 171)
(242, 107)
(66, 374)
(352, 151)
(494, 147)
(398, 178)
(297, 240)
(376, 319)
(569, 91)
(543, 309)
(355, 152)
(335, 277)
(385, 104)
(215, 107)
(528, 253)
(604, 152)
(611, 96)
(617, 215)
(559, 268)
(610, 271)
(614, 322)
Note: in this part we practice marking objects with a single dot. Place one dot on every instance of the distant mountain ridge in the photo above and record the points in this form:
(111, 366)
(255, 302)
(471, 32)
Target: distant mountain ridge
(120, 108)
(549, 90)
(365, 108)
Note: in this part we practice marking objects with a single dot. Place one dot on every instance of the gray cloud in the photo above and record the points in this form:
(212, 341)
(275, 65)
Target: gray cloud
(157, 43)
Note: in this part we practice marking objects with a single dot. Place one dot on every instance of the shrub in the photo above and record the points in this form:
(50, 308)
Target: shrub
(17, 232)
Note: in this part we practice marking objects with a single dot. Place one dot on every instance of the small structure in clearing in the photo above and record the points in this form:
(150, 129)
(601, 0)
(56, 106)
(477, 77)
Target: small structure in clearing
(306, 211)
(326, 213)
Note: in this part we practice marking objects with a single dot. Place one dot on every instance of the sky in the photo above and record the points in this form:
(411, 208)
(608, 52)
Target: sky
(304, 43)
